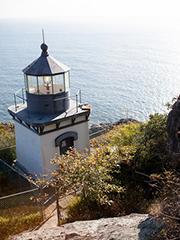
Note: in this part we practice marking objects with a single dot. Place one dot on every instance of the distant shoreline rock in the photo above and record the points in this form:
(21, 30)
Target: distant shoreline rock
(97, 127)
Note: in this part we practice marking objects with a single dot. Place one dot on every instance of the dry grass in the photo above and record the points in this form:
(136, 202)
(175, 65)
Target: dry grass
(16, 220)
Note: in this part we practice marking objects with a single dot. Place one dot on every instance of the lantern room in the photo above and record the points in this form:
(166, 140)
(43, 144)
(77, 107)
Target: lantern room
(47, 84)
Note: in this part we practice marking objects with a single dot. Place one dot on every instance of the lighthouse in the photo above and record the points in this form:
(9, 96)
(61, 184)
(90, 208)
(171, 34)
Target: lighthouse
(48, 120)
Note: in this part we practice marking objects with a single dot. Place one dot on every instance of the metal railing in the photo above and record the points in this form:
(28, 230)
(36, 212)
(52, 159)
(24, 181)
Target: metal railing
(21, 93)
(78, 99)
(18, 199)
(12, 180)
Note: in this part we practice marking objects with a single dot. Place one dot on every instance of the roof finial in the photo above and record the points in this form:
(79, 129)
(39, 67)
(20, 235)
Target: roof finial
(44, 47)
(43, 35)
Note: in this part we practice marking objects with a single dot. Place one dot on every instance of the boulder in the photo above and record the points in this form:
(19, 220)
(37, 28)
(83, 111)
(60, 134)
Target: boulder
(130, 227)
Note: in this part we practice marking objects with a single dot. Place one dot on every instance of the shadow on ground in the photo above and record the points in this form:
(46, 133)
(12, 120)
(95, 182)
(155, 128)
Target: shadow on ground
(149, 228)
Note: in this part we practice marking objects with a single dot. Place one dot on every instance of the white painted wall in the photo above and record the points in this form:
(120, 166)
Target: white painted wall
(28, 147)
(34, 152)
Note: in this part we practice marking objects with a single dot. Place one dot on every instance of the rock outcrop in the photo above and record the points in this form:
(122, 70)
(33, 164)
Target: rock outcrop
(173, 127)
(131, 227)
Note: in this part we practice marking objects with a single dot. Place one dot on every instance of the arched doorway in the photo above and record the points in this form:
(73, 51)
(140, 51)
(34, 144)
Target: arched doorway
(66, 141)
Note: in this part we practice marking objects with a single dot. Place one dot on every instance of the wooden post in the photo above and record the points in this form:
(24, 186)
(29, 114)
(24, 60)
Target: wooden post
(58, 207)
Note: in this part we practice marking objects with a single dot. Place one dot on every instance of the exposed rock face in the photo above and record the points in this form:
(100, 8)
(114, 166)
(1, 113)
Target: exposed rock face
(131, 227)
(173, 127)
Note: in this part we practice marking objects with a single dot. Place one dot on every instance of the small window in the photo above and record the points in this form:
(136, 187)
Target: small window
(66, 144)
(66, 141)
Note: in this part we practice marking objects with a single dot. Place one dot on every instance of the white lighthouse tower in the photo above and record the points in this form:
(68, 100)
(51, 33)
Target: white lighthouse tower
(48, 120)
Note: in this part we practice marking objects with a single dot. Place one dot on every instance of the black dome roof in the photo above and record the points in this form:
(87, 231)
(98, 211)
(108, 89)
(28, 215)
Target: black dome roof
(45, 65)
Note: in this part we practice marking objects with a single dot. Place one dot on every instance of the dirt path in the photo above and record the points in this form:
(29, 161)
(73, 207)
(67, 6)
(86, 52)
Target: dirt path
(52, 221)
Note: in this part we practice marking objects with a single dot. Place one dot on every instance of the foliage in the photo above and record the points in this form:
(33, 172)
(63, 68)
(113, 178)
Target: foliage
(80, 209)
(144, 145)
(118, 169)
(142, 173)
(85, 209)
(124, 139)
(151, 155)
(8, 155)
(88, 172)
(169, 200)
(23, 218)
(141, 150)
(7, 140)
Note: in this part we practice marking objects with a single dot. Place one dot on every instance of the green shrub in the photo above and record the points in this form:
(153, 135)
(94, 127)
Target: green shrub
(169, 202)
(151, 155)
(7, 140)
(87, 209)
(8, 155)
(124, 140)
(134, 146)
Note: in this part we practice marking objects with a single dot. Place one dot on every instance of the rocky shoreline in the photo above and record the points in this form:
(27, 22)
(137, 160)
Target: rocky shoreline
(102, 127)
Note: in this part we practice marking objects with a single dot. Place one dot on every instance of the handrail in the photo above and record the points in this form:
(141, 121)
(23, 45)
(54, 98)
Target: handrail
(22, 97)
(78, 98)
(19, 193)
(57, 99)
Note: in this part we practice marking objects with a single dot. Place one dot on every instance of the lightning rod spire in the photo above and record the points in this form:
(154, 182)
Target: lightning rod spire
(43, 35)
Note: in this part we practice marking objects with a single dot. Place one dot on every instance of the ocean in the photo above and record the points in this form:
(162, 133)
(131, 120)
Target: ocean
(123, 71)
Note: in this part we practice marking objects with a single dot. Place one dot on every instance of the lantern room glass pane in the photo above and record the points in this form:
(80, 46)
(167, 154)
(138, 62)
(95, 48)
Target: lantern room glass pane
(58, 83)
(26, 82)
(67, 82)
(45, 85)
(32, 84)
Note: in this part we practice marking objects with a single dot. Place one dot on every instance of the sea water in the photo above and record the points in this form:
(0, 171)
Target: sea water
(122, 71)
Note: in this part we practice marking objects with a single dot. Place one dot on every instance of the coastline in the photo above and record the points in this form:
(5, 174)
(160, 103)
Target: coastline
(96, 129)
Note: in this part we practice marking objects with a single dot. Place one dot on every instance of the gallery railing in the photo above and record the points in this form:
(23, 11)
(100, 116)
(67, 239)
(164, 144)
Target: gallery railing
(21, 95)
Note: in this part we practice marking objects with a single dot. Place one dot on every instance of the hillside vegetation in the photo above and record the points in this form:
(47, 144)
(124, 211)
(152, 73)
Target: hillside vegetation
(7, 142)
(127, 170)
